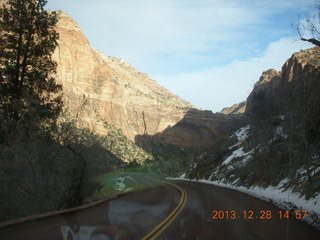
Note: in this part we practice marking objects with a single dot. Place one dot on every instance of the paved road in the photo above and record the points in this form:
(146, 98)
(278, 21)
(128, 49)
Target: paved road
(183, 210)
(195, 221)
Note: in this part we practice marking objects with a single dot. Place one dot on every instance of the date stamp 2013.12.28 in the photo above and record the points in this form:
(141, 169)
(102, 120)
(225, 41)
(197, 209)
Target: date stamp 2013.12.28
(262, 215)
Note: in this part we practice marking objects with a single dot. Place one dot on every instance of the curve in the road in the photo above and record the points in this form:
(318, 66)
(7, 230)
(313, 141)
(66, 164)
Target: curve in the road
(170, 218)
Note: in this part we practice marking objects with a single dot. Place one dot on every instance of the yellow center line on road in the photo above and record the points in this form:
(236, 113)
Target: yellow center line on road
(169, 219)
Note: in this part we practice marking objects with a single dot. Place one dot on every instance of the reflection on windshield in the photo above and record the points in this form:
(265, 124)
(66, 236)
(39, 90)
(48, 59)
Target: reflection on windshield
(126, 220)
(130, 220)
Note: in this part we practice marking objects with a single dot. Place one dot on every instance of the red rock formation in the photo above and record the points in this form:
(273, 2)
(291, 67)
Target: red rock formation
(261, 101)
(198, 129)
(97, 88)
(238, 108)
(270, 93)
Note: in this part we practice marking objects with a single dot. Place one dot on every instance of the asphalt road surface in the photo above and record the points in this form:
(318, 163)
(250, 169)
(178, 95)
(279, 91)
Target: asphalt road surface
(178, 210)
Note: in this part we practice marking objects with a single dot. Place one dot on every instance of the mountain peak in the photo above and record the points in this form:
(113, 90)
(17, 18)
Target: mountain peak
(97, 87)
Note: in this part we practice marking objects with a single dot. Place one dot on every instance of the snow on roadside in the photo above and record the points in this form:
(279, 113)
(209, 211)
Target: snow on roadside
(183, 175)
(284, 199)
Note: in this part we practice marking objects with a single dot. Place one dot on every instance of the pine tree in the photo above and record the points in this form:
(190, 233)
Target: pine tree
(28, 91)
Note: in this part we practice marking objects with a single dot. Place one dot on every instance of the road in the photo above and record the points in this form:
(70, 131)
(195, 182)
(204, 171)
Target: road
(180, 210)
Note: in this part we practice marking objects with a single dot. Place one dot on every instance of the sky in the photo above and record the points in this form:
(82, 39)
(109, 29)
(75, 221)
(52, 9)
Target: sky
(208, 52)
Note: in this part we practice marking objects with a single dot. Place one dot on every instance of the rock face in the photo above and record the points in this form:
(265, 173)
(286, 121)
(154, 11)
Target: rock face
(199, 129)
(238, 108)
(261, 101)
(300, 65)
(97, 88)
(281, 132)
(271, 93)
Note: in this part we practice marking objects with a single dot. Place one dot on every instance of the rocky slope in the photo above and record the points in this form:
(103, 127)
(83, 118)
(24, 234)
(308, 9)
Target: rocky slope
(97, 87)
(272, 92)
(237, 108)
(278, 142)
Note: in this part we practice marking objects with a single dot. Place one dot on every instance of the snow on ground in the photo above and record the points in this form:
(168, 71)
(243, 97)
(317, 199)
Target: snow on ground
(183, 175)
(282, 117)
(284, 199)
(279, 131)
(238, 153)
(242, 133)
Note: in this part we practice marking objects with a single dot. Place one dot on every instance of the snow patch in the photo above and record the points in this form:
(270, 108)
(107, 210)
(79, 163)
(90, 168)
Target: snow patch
(282, 117)
(242, 133)
(183, 176)
(301, 171)
(238, 153)
(279, 132)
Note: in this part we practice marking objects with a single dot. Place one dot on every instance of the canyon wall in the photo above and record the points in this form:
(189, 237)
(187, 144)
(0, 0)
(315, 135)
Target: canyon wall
(98, 88)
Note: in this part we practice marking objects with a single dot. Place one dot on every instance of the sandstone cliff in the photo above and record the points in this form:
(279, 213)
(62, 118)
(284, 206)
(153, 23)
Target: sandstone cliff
(262, 100)
(278, 142)
(237, 108)
(198, 129)
(97, 88)
(272, 92)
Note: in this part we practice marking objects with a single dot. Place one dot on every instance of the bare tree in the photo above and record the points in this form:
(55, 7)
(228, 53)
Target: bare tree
(309, 28)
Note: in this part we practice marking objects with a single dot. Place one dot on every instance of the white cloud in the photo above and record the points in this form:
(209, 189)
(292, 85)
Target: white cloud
(209, 52)
(223, 86)
(169, 27)
(153, 33)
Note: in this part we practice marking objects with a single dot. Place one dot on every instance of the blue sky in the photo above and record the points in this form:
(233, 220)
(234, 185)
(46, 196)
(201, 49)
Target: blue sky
(208, 52)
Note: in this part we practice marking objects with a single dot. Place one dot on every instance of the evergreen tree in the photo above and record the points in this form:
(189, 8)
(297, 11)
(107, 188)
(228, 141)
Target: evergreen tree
(28, 91)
